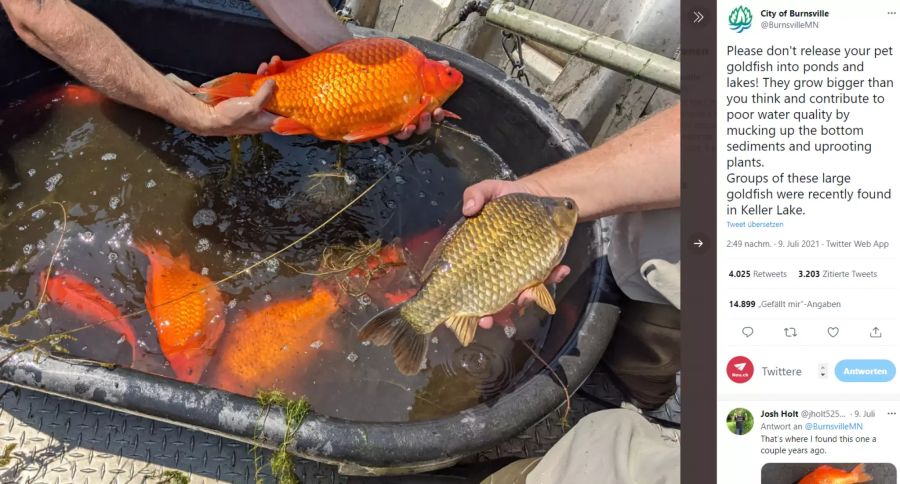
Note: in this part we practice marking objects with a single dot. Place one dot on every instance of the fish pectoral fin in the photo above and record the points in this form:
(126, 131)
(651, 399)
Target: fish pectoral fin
(464, 327)
(543, 298)
(369, 132)
(418, 110)
(287, 126)
(280, 66)
(226, 87)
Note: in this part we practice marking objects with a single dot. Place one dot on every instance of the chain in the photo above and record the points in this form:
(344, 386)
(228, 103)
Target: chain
(512, 46)
(511, 43)
(472, 6)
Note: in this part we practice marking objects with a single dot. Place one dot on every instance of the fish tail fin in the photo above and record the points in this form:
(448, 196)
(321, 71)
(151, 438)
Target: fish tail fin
(124, 327)
(145, 247)
(226, 87)
(187, 86)
(44, 282)
(859, 472)
(154, 251)
(138, 355)
(409, 346)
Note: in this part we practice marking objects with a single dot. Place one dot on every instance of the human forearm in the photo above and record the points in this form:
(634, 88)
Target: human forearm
(309, 23)
(636, 170)
(94, 54)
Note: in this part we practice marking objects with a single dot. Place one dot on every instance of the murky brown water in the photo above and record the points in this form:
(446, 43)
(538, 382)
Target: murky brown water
(124, 176)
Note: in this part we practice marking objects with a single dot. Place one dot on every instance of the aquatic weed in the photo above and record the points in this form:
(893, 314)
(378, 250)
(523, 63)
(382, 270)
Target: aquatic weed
(237, 157)
(340, 261)
(6, 457)
(295, 411)
(172, 477)
(564, 420)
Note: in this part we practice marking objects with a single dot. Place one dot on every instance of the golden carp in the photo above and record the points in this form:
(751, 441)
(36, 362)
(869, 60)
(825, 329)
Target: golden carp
(480, 266)
(353, 91)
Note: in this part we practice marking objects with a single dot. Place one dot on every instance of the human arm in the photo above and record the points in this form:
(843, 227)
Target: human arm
(95, 55)
(640, 169)
(310, 23)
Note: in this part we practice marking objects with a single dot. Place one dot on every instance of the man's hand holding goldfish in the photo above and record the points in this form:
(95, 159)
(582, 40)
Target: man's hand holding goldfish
(68, 35)
(421, 126)
(637, 170)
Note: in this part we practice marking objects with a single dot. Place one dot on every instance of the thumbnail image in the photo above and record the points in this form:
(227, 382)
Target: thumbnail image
(812, 473)
(739, 421)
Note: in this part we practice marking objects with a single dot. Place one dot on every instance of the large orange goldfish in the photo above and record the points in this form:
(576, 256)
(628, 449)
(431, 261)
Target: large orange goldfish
(272, 346)
(353, 91)
(84, 301)
(189, 322)
(826, 474)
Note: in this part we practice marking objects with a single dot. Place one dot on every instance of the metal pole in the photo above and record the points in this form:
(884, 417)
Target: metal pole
(614, 54)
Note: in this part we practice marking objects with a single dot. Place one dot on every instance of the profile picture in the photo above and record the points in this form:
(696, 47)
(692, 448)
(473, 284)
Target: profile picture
(739, 421)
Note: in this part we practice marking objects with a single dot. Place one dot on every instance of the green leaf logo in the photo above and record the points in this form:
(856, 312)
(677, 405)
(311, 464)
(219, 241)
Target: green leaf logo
(740, 19)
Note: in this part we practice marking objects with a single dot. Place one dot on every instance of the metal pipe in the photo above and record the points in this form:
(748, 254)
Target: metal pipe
(608, 52)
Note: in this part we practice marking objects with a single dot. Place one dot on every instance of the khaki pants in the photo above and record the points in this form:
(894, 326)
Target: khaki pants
(620, 446)
(616, 446)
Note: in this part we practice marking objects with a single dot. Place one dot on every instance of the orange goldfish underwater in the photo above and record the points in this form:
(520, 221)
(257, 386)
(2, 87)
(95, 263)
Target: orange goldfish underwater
(84, 301)
(826, 474)
(188, 323)
(272, 346)
(353, 91)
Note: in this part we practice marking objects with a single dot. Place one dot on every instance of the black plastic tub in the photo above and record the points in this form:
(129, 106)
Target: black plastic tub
(210, 38)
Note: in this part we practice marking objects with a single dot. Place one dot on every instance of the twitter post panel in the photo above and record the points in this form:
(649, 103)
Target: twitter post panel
(807, 163)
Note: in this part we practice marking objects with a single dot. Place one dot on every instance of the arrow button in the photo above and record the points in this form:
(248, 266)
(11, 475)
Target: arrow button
(698, 242)
(696, 16)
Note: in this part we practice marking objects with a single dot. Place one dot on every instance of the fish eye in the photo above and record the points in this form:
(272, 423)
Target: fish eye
(568, 204)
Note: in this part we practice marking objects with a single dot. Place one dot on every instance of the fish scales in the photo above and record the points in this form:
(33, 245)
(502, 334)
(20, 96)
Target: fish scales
(481, 278)
(329, 89)
(269, 347)
(481, 265)
(181, 286)
(186, 308)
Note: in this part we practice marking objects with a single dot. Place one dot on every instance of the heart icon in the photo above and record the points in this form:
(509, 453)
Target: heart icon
(833, 331)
